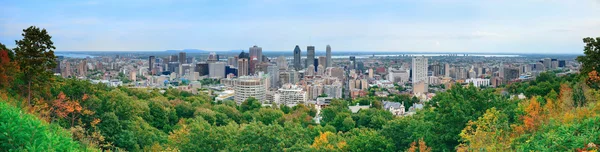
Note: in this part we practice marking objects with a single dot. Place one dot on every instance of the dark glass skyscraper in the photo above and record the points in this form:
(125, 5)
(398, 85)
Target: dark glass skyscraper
(297, 58)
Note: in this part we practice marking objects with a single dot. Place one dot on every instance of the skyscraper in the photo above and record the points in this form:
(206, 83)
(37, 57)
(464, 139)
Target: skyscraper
(216, 70)
(242, 67)
(256, 52)
(297, 58)
(419, 72)
(323, 61)
(151, 65)
(328, 55)
(310, 56)
(353, 60)
(182, 58)
(282, 63)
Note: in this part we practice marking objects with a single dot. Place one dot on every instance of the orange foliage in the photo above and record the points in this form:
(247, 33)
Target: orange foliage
(422, 146)
(68, 109)
(533, 116)
(593, 77)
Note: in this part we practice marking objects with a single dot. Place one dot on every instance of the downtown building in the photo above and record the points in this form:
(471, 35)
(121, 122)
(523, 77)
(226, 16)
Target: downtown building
(419, 75)
(250, 86)
(290, 95)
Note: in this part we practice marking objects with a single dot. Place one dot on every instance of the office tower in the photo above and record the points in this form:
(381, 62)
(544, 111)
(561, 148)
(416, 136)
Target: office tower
(265, 59)
(322, 61)
(310, 56)
(510, 74)
(447, 70)
(561, 63)
(242, 67)
(173, 58)
(360, 66)
(244, 55)
(67, 72)
(547, 64)
(231, 61)
(151, 60)
(353, 62)
(246, 87)
(371, 73)
(182, 58)
(231, 70)
(273, 71)
(202, 69)
(256, 53)
(297, 58)
(328, 56)
(419, 73)
(216, 70)
(554, 63)
(212, 57)
(282, 63)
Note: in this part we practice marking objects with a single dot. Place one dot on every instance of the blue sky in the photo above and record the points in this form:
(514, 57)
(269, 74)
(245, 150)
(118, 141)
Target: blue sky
(506, 26)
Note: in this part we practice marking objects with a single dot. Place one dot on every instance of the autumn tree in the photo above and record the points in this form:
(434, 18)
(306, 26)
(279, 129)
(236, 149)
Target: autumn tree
(8, 68)
(422, 147)
(35, 56)
(488, 133)
(328, 141)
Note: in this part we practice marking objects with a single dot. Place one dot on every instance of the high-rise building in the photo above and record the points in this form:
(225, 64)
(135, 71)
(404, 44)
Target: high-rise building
(182, 58)
(273, 71)
(322, 61)
(328, 55)
(561, 63)
(419, 72)
(174, 58)
(246, 87)
(353, 64)
(244, 55)
(447, 70)
(510, 74)
(216, 70)
(310, 56)
(202, 69)
(231, 61)
(371, 73)
(297, 58)
(256, 53)
(242, 67)
(282, 63)
(151, 65)
(547, 64)
(212, 57)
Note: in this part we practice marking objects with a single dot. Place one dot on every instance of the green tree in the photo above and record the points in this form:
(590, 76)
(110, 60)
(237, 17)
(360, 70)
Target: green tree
(592, 53)
(35, 56)
(268, 115)
(368, 140)
(250, 104)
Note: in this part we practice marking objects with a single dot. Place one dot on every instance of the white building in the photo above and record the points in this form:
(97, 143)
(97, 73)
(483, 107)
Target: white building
(419, 70)
(398, 75)
(246, 87)
(479, 82)
(290, 95)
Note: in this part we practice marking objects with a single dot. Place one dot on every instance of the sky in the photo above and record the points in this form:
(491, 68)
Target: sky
(490, 26)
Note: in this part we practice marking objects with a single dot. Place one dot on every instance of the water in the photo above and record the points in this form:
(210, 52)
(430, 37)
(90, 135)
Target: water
(74, 55)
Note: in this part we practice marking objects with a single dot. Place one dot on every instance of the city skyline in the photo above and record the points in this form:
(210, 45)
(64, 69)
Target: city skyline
(381, 26)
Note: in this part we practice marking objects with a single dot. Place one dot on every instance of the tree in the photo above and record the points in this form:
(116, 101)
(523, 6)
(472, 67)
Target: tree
(422, 147)
(8, 68)
(35, 55)
(250, 104)
(328, 141)
(592, 53)
(488, 133)
(268, 115)
(368, 140)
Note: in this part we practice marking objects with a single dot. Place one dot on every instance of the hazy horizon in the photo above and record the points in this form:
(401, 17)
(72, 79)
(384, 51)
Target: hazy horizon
(431, 26)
